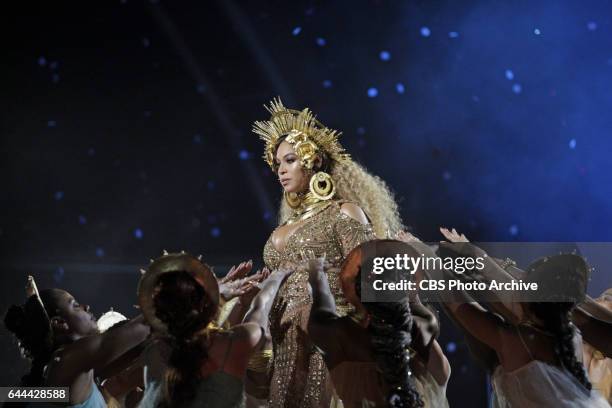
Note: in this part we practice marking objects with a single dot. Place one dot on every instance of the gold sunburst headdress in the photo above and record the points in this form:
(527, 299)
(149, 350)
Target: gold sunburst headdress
(301, 128)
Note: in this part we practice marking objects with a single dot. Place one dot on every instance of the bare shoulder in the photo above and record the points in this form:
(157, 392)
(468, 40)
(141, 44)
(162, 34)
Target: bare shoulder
(355, 212)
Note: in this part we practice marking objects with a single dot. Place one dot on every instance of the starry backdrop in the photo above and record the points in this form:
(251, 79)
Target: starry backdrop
(125, 129)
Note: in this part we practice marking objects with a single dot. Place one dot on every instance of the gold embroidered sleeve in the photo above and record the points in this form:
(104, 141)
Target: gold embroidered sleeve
(350, 233)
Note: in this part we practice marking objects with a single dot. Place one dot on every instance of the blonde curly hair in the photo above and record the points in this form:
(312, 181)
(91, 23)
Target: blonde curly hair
(355, 184)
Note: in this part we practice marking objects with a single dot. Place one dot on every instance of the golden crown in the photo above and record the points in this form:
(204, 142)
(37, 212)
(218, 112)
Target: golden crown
(302, 130)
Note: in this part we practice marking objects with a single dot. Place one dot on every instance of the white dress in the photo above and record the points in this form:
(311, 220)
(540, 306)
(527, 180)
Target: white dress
(538, 384)
(432, 393)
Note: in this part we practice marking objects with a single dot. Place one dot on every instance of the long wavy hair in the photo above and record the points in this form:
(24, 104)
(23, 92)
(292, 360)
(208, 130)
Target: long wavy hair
(355, 184)
(182, 304)
(557, 319)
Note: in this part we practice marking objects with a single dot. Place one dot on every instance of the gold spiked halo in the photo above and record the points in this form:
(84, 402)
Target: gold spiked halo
(173, 262)
(302, 130)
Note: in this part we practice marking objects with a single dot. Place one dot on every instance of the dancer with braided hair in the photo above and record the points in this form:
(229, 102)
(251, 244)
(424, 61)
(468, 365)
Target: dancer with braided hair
(60, 337)
(204, 364)
(380, 356)
(539, 357)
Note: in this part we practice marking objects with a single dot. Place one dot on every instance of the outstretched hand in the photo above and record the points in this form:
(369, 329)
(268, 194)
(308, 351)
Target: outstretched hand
(407, 237)
(253, 285)
(316, 269)
(238, 272)
(243, 286)
(453, 236)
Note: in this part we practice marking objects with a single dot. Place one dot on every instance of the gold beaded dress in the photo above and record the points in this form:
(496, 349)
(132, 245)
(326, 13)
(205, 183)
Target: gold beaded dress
(299, 375)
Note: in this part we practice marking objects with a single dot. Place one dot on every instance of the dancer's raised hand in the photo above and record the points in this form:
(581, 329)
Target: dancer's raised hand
(316, 269)
(407, 237)
(453, 236)
(238, 272)
(239, 287)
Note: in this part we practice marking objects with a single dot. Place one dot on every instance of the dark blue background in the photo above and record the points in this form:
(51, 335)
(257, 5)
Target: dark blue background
(125, 127)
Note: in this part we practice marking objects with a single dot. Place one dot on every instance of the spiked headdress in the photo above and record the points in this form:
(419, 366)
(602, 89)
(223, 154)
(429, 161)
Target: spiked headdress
(301, 128)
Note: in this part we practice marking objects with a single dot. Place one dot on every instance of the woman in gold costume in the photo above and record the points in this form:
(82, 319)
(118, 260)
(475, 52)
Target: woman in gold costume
(331, 204)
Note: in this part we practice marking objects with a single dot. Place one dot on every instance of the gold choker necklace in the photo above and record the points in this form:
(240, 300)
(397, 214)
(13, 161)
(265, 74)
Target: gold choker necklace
(309, 206)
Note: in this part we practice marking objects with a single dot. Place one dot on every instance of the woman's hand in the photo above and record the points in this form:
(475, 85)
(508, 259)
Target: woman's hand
(316, 269)
(407, 237)
(253, 286)
(237, 272)
(453, 236)
(240, 287)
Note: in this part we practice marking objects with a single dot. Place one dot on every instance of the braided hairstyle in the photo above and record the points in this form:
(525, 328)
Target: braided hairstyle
(31, 326)
(557, 319)
(389, 329)
(182, 304)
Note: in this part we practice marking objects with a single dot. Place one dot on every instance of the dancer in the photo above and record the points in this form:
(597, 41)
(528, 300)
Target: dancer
(179, 297)
(60, 337)
(383, 337)
(331, 204)
(539, 358)
(598, 366)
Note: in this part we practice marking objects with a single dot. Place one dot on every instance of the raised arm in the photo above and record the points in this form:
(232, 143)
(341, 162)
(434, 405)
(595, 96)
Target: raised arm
(323, 303)
(482, 328)
(459, 246)
(97, 351)
(262, 303)
(438, 364)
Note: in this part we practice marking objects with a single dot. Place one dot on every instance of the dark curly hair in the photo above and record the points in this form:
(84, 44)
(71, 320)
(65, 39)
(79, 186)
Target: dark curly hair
(557, 319)
(30, 325)
(182, 304)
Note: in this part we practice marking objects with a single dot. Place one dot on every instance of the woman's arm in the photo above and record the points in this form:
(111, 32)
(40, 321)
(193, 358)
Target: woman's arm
(262, 303)
(97, 351)
(120, 385)
(483, 328)
(438, 364)
(323, 302)
(483, 325)
(459, 246)
(325, 327)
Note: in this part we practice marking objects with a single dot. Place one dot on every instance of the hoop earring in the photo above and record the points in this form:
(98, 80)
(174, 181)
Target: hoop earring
(292, 200)
(322, 186)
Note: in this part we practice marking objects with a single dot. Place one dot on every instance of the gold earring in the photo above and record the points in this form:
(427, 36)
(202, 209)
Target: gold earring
(322, 186)
(292, 199)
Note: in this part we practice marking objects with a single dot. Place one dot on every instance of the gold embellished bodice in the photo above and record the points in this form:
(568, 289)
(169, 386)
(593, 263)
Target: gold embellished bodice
(330, 233)
(300, 377)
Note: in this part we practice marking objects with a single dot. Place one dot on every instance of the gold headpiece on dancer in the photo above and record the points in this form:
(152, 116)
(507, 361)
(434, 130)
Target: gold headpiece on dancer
(303, 131)
(174, 262)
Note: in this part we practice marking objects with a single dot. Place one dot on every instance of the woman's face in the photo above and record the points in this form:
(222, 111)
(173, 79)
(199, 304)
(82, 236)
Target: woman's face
(290, 172)
(75, 318)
